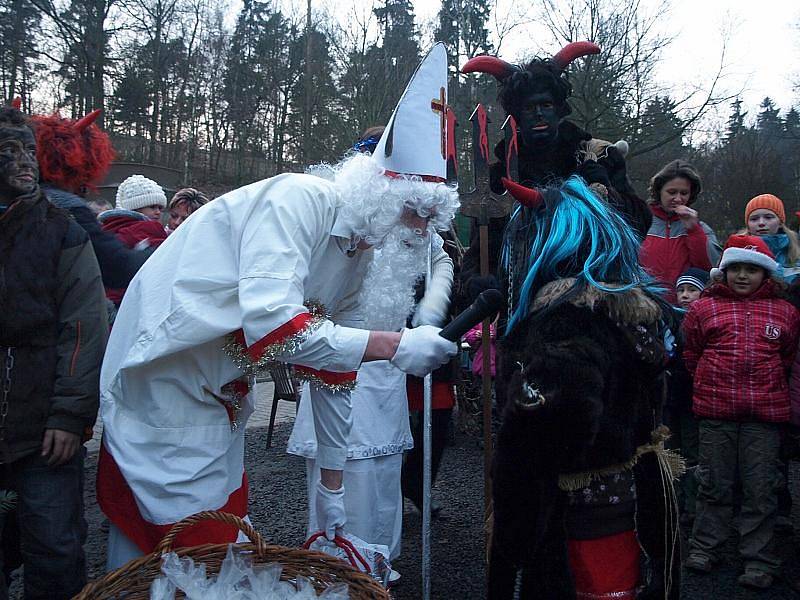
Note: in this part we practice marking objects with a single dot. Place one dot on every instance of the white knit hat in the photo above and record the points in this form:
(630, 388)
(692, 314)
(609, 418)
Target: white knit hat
(138, 191)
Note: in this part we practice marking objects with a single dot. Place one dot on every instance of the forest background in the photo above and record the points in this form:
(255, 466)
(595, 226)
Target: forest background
(231, 92)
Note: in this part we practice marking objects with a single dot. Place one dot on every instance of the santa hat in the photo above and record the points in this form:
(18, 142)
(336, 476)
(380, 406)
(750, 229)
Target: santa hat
(415, 141)
(748, 249)
(138, 191)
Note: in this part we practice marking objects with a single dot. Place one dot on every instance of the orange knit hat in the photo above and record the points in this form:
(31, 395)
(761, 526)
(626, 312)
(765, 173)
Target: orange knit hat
(767, 201)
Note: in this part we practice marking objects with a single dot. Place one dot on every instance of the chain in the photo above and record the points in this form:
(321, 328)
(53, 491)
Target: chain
(510, 309)
(9, 366)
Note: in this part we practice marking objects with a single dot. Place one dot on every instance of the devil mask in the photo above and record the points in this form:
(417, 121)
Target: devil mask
(19, 171)
(535, 95)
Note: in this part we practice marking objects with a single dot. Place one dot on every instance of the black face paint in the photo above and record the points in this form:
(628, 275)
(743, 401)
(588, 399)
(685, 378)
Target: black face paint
(19, 170)
(538, 120)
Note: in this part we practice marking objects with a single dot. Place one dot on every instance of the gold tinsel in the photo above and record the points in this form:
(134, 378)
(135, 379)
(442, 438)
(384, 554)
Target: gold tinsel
(671, 462)
(285, 347)
(317, 380)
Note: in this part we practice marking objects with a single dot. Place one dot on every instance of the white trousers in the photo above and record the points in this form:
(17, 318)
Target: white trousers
(373, 500)
(120, 549)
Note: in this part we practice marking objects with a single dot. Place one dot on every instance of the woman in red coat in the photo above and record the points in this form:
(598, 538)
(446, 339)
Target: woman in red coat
(677, 240)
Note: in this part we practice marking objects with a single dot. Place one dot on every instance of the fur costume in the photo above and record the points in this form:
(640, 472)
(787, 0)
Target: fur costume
(579, 457)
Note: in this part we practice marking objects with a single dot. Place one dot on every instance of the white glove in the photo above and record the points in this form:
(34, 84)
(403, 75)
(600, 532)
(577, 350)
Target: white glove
(331, 515)
(432, 309)
(421, 350)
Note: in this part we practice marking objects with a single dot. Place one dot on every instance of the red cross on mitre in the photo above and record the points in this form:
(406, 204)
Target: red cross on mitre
(439, 105)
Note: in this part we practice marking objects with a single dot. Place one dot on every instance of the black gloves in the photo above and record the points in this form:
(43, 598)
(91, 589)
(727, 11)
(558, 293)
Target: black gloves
(594, 172)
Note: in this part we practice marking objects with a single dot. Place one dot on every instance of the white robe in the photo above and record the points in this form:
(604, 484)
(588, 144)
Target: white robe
(246, 262)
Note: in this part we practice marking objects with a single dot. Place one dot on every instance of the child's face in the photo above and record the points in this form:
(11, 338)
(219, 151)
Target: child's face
(687, 293)
(153, 212)
(744, 278)
(763, 222)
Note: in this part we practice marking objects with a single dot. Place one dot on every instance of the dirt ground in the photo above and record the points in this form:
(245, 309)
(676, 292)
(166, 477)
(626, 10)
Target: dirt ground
(278, 511)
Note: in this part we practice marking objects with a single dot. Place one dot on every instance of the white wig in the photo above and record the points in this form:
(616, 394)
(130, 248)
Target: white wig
(373, 203)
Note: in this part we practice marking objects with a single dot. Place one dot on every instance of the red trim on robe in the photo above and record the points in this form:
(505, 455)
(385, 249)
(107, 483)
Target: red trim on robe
(605, 566)
(117, 502)
(291, 327)
(326, 377)
(442, 395)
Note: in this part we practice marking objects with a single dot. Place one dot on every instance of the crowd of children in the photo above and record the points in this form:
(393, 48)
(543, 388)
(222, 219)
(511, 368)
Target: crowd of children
(733, 388)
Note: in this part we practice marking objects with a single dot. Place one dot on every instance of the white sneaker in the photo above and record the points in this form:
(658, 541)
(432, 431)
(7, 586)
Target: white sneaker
(394, 578)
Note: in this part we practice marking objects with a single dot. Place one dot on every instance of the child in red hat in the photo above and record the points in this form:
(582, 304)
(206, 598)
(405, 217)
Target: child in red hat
(740, 340)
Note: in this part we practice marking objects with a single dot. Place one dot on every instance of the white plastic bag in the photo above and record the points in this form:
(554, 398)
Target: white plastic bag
(376, 556)
(238, 579)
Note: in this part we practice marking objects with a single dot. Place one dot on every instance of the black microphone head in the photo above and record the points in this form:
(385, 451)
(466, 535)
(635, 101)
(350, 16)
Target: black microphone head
(489, 301)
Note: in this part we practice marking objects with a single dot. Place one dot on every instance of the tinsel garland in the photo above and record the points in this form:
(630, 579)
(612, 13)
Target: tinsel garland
(336, 382)
(671, 462)
(236, 348)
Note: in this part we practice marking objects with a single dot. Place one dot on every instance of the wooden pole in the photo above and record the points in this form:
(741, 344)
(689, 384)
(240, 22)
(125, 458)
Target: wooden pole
(483, 232)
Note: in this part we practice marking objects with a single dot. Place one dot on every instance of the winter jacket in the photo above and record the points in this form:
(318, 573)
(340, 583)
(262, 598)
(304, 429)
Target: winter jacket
(669, 249)
(739, 351)
(118, 264)
(779, 245)
(133, 229)
(474, 338)
(679, 382)
(52, 325)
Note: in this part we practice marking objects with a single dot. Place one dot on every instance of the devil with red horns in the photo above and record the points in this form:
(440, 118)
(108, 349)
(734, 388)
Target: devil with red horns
(548, 543)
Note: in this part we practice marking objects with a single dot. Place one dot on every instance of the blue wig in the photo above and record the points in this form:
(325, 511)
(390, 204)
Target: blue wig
(578, 235)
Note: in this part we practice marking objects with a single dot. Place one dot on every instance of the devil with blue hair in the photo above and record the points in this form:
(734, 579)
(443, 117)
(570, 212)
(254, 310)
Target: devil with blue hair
(583, 497)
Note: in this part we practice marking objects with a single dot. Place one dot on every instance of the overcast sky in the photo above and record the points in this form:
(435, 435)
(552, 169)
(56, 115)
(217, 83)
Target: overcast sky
(762, 54)
(762, 51)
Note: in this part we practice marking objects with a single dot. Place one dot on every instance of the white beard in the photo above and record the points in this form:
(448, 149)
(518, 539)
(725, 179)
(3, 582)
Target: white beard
(387, 293)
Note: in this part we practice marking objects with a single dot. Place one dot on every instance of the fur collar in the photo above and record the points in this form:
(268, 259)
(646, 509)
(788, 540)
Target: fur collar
(633, 306)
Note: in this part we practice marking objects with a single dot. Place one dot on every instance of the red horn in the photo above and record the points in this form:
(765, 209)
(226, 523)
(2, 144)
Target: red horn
(574, 50)
(17, 103)
(84, 122)
(530, 197)
(489, 64)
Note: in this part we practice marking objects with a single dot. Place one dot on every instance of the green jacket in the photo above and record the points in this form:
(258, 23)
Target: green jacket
(53, 326)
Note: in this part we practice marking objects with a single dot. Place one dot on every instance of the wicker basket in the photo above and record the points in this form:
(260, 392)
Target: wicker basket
(132, 581)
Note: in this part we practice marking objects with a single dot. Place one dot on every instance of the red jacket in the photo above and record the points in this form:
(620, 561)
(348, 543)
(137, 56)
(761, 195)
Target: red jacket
(739, 351)
(669, 249)
(130, 228)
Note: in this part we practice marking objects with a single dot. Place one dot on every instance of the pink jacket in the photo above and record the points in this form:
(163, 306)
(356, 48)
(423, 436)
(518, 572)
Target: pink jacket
(473, 337)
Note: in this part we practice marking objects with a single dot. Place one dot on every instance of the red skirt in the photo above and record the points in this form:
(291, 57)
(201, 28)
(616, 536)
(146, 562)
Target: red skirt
(606, 568)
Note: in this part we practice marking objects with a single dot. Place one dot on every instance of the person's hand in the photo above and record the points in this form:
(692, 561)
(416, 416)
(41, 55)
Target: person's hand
(331, 516)
(60, 445)
(616, 168)
(421, 350)
(594, 172)
(688, 216)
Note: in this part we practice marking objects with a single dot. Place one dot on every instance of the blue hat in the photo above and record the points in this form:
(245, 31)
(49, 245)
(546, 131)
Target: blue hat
(694, 276)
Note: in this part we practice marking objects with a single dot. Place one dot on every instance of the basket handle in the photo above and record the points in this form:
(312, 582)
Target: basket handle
(165, 545)
(344, 544)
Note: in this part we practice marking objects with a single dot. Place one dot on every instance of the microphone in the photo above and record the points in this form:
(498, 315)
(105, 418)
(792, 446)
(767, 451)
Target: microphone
(485, 305)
